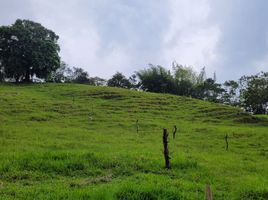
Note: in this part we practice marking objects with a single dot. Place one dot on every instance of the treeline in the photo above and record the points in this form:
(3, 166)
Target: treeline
(249, 92)
(29, 52)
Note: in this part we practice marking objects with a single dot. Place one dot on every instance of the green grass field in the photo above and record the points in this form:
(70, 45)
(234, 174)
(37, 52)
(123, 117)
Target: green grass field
(69, 141)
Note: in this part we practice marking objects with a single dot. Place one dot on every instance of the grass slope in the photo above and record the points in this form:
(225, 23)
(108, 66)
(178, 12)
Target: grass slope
(68, 141)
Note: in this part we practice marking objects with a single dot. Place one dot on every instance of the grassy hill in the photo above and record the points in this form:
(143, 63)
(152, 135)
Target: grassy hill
(68, 141)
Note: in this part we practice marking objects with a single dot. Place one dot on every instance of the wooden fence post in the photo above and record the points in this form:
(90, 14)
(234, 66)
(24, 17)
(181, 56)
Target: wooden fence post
(226, 142)
(166, 152)
(209, 193)
(174, 132)
(137, 126)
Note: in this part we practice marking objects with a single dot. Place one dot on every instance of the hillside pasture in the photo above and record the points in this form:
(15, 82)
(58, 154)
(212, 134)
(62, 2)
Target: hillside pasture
(71, 141)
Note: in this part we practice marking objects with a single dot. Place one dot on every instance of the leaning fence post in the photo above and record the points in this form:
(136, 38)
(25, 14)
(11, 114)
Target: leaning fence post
(209, 193)
(226, 142)
(137, 126)
(166, 152)
(174, 132)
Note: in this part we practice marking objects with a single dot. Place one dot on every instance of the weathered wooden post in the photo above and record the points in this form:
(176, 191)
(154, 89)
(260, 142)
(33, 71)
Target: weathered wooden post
(226, 142)
(166, 152)
(174, 131)
(137, 126)
(209, 193)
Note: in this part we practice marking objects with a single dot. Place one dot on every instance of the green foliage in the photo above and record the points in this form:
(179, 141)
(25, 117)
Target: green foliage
(119, 80)
(230, 95)
(65, 74)
(80, 76)
(250, 92)
(186, 79)
(73, 141)
(60, 75)
(156, 79)
(27, 49)
(97, 81)
(254, 92)
(184, 82)
(209, 90)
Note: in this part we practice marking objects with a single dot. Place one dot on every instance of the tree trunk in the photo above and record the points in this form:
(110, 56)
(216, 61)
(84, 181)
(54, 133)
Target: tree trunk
(17, 78)
(27, 76)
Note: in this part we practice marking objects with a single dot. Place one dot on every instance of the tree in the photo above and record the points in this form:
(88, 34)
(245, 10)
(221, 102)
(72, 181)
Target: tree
(202, 76)
(2, 75)
(230, 95)
(254, 92)
(209, 90)
(133, 81)
(27, 49)
(119, 80)
(60, 75)
(97, 81)
(80, 76)
(156, 79)
(185, 79)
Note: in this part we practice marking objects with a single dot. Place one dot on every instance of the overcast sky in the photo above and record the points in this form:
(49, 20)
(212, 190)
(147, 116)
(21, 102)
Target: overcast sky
(229, 37)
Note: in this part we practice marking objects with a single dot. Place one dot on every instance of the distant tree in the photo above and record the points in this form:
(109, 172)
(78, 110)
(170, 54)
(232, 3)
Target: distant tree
(254, 92)
(2, 75)
(97, 81)
(60, 75)
(214, 77)
(134, 84)
(209, 90)
(230, 95)
(27, 49)
(156, 79)
(202, 76)
(184, 73)
(185, 79)
(68, 74)
(80, 76)
(119, 80)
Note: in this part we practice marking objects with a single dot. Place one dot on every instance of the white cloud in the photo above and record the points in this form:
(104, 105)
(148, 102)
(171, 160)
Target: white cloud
(105, 36)
(261, 65)
(79, 39)
(190, 40)
(100, 37)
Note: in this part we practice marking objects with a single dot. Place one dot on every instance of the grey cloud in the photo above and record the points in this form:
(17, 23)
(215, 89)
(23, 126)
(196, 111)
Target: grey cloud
(105, 36)
(243, 42)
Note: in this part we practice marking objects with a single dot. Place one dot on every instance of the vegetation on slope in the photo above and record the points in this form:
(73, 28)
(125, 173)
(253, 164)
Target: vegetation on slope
(68, 141)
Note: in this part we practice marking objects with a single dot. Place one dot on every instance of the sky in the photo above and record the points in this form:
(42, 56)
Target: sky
(229, 37)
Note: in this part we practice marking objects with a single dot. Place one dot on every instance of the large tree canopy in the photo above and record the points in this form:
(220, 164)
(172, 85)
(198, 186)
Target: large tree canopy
(156, 79)
(254, 92)
(27, 49)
